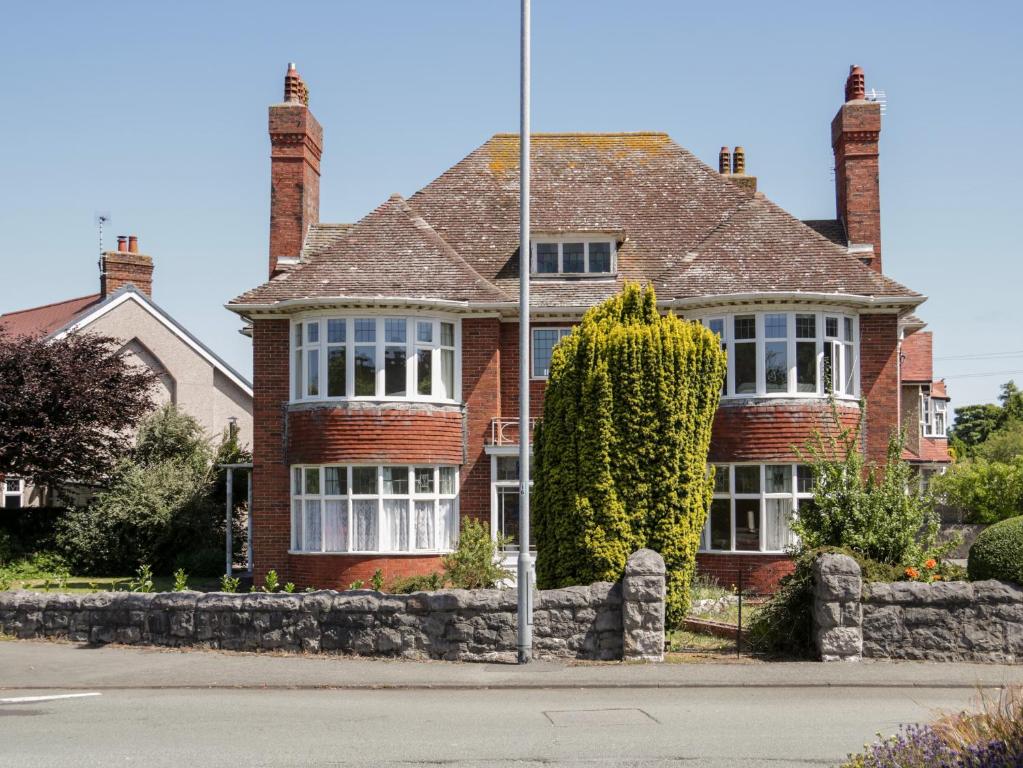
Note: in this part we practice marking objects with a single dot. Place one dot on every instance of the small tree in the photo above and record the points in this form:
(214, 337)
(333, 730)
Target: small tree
(66, 406)
(476, 562)
(161, 505)
(621, 452)
(878, 512)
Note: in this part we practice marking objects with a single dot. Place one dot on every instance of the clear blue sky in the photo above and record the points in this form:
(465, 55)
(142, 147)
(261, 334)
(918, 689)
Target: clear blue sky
(156, 112)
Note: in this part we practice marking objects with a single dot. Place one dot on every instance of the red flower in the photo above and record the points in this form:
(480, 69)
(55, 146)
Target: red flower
(931, 564)
(913, 573)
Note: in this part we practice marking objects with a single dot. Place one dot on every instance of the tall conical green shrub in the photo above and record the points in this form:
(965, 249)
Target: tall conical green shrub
(621, 452)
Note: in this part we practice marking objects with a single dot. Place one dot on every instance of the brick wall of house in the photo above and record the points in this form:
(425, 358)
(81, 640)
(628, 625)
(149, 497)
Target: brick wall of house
(510, 371)
(760, 573)
(769, 432)
(482, 353)
(879, 381)
(271, 517)
(339, 571)
(394, 433)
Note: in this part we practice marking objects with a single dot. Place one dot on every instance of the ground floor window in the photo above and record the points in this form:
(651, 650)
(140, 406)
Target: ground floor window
(504, 518)
(13, 489)
(399, 508)
(753, 505)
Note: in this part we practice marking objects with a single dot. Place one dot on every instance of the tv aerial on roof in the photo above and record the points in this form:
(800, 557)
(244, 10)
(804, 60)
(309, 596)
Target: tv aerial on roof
(880, 97)
(101, 218)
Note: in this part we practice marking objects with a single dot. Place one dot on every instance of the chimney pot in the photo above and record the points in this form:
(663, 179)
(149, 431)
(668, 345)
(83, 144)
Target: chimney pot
(855, 84)
(739, 161)
(133, 244)
(724, 161)
(295, 91)
(122, 243)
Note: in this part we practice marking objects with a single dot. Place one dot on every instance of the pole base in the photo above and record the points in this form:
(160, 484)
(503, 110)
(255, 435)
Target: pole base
(525, 655)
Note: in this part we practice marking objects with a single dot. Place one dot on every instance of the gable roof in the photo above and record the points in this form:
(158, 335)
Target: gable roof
(917, 365)
(47, 318)
(678, 223)
(60, 320)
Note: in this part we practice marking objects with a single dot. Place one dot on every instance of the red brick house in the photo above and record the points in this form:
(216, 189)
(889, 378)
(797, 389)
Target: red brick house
(386, 351)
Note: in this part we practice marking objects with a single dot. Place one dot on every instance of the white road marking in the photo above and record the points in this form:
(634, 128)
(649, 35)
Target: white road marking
(30, 699)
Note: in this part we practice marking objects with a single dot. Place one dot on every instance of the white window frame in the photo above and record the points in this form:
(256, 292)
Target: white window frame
(349, 497)
(560, 241)
(563, 331)
(847, 352)
(18, 494)
(763, 496)
(932, 411)
(495, 486)
(298, 358)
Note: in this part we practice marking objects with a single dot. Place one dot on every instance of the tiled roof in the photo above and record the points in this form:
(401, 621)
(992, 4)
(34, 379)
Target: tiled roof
(829, 228)
(681, 225)
(48, 318)
(938, 389)
(916, 357)
(392, 252)
(932, 449)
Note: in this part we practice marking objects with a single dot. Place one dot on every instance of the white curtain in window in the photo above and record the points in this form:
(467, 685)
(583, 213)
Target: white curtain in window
(364, 511)
(777, 523)
(311, 528)
(447, 524)
(425, 525)
(396, 524)
(296, 524)
(335, 534)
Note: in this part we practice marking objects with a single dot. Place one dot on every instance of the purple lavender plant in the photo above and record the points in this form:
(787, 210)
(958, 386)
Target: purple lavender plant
(920, 746)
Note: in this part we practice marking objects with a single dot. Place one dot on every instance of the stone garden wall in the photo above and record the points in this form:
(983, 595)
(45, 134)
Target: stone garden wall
(600, 621)
(942, 621)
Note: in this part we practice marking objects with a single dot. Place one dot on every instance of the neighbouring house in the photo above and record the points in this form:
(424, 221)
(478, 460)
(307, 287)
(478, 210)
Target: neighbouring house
(925, 409)
(189, 374)
(386, 351)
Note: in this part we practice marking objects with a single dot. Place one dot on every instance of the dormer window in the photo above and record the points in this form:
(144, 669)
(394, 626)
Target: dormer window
(574, 256)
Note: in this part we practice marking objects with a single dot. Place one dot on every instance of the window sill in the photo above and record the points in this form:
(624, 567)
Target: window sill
(373, 401)
(787, 396)
(772, 552)
(602, 276)
(377, 553)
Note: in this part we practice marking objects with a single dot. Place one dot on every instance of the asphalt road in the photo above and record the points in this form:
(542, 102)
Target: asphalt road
(153, 710)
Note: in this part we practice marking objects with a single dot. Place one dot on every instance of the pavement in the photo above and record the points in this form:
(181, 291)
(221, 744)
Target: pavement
(158, 707)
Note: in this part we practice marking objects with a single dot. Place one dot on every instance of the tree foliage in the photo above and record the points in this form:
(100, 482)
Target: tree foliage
(66, 406)
(621, 452)
(163, 505)
(988, 491)
(877, 512)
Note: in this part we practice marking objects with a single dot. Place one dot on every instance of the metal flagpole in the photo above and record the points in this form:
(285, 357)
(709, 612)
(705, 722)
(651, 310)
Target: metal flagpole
(525, 607)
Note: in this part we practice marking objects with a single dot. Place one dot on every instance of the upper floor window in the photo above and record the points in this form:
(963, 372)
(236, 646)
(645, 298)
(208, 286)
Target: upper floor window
(410, 358)
(788, 353)
(573, 257)
(933, 415)
(544, 340)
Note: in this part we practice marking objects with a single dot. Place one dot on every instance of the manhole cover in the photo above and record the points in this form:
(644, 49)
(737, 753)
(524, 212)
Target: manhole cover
(568, 717)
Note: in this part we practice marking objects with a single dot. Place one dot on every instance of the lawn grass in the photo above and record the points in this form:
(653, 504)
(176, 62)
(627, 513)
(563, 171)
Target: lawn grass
(77, 585)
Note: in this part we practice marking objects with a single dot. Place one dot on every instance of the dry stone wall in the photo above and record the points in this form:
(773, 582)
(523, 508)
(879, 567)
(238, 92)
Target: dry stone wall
(456, 625)
(942, 621)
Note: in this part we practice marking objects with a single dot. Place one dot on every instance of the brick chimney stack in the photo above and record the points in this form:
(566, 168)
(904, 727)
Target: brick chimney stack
(125, 265)
(855, 132)
(296, 141)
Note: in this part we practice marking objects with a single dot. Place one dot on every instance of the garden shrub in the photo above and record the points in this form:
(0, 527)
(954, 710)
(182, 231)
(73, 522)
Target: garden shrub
(476, 561)
(877, 512)
(998, 552)
(162, 503)
(424, 583)
(621, 451)
(988, 491)
(206, 561)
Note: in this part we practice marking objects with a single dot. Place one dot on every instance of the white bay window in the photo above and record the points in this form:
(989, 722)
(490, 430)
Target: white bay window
(788, 354)
(390, 509)
(404, 358)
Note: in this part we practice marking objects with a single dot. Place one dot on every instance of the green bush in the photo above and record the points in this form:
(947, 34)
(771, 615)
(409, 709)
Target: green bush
(161, 502)
(207, 561)
(621, 452)
(476, 561)
(409, 584)
(998, 552)
(988, 491)
(876, 512)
